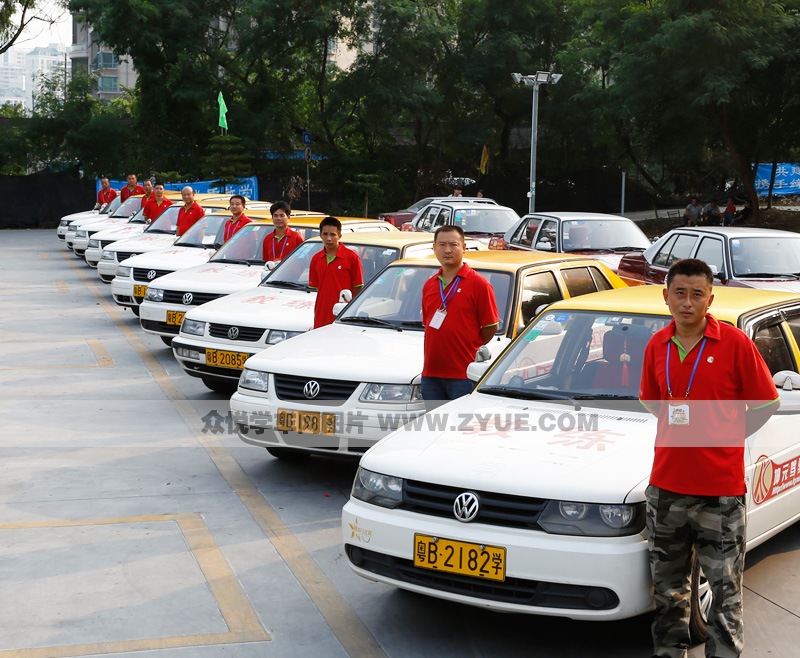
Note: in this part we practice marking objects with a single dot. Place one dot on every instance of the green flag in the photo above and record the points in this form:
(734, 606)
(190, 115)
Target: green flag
(223, 110)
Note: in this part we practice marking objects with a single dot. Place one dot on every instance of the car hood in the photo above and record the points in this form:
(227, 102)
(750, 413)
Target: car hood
(270, 308)
(480, 449)
(781, 285)
(222, 278)
(85, 214)
(359, 354)
(174, 258)
(144, 242)
(118, 232)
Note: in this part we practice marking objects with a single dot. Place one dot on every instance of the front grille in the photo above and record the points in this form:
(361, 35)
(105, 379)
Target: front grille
(140, 273)
(122, 255)
(495, 509)
(161, 327)
(512, 590)
(176, 297)
(248, 334)
(105, 243)
(289, 387)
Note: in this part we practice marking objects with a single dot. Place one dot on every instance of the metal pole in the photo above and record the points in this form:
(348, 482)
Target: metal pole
(622, 202)
(534, 138)
(308, 184)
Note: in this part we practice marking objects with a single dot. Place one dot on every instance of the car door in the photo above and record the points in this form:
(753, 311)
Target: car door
(523, 237)
(711, 250)
(772, 456)
(427, 218)
(677, 247)
(547, 236)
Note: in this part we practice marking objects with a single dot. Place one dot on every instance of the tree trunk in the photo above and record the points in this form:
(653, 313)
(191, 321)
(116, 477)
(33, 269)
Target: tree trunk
(744, 168)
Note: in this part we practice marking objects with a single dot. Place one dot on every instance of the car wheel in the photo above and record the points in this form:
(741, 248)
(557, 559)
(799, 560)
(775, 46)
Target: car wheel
(135, 310)
(288, 454)
(219, 386)
(700, 605)
(167, 340)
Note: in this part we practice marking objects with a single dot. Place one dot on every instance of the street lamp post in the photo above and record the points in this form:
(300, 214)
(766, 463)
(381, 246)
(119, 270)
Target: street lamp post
(538, 78)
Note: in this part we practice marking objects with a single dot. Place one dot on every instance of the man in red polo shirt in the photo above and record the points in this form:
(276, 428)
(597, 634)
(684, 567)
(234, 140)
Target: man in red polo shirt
(332, 270)
(148, 191)
(189, 213)
(131, 189)
(710, 389)
(459, 312)
(238, 218)
(106, 194)
(154, 206)
(283, 240)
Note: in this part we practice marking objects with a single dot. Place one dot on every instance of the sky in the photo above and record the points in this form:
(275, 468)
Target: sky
(39, 33)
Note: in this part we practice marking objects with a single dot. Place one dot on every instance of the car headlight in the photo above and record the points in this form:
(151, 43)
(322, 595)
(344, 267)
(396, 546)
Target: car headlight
(107, 255)
(391, 393)
(124, 272)
(378, 489)
(193, 327)
(154, 295)
(64, 222)
(592, 520)
(94, 243)
(82, 233)
(276, 336)
(254, 380)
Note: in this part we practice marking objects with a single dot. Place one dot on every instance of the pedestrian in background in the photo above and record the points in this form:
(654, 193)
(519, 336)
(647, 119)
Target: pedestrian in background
(691, 216)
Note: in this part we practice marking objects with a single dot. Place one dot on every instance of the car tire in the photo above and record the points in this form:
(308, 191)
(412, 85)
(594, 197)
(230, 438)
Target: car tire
(700, 604)
(288, 454)
(219, 386)
(135, 310)
(167, 340)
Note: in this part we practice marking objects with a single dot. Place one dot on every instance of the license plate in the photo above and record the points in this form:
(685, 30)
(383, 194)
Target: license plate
(139, 291)
(175, 317)
(476, 560)
(226, 359)
(306, 422)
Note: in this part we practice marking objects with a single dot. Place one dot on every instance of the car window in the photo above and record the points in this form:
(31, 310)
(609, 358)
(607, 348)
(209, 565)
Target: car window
(710, 251)
(600, 279)
(442, 218)
(767, 255)
(418, 250)
(501, 283)
(484, 219)
(427, 218)
(579, 281)
(794, 327)
(374, 258)
(677, 248)
(547, 238)
(524, 234)
(772, 346)
(537, 289)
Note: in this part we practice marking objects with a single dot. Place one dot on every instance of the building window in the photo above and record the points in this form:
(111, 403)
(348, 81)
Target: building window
(107, 83)
(106, 61)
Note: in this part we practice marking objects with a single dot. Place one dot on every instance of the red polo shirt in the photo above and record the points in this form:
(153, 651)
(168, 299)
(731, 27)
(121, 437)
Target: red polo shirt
(126, 191)
(232, 227)
(152, 208)
(706, 456)
(330, 278)
(278, 249)
(187, 218)
(106, 196)
(471, 306)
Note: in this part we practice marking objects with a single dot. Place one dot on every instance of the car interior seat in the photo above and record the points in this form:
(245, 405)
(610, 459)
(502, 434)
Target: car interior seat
(623, 354)
(578, 237)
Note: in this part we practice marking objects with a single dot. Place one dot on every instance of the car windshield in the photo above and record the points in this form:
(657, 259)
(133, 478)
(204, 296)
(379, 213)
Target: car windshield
(247, 245)
(483, 219)
(621, 234)
(765, 256)
(419, 205)
(110, 208)
(204, 232)
(576, 355)
(166, 222)
(129, 208)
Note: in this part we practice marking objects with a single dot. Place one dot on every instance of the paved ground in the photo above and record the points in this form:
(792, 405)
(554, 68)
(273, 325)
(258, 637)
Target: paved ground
(129, 526)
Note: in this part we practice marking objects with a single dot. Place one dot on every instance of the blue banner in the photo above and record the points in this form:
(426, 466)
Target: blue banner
(787, 179)
(248, 188)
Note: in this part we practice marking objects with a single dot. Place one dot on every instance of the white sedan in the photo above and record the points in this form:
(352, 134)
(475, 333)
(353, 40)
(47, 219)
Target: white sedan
(117, 217)
(527, 496)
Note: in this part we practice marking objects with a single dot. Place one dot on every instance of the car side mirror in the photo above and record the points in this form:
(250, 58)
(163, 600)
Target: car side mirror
(476, 371)
(338, 307)
(544, 245)
(787, 380)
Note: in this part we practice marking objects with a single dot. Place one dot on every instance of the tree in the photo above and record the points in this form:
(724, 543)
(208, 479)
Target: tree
(14, 18)
(226, 161)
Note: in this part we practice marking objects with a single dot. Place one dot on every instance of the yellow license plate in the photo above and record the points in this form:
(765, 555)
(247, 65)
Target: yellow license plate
(306, 422)
(139, 291)
(175, 317)
(226, 359)
(476, 560)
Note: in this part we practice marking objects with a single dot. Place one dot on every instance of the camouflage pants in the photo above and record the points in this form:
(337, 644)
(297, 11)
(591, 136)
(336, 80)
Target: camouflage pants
(715, 528)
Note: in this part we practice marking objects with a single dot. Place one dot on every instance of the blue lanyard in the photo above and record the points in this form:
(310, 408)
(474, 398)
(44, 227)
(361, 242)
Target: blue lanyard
(453, 286)
(694, 368)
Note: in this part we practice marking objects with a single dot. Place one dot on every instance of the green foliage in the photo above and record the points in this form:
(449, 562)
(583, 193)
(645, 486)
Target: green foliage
(226, 161)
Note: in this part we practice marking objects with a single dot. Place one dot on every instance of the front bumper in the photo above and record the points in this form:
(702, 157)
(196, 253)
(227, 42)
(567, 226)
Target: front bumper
(158, 318)
(93, 255)
(586, 578)
(107, 270)
(197, 366)
(122, 289)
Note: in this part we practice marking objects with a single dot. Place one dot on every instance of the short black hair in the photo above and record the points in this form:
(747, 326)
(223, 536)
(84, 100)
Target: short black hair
(240, 197)
(280, 205)
(330, 221)
(449, 227)
(690, 267)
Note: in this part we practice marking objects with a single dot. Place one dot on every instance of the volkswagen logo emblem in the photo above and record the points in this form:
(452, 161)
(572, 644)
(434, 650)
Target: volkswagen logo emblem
(151, 275)
(465, 507)
(187, 298)
(311, 389)
(233, 333)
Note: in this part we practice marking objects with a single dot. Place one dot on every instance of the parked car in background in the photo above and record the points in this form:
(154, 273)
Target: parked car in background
(303, 397)
(608, 237)
(739, 256)
(527, 496)
(400, 218)
(481, 221)
(66, 220)
(125, 211)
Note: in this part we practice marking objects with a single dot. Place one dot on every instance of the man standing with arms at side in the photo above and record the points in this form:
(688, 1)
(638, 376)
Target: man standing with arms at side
(459, 312)
(106, 194)
(238, 218)
(148, 191)
(189, 213)
(283, 240)
(157, 204)
(131, 189)
(332, 270)
(710, 389)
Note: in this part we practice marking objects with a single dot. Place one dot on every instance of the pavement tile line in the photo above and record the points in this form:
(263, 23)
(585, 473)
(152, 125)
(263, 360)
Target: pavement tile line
(236, 609)
(350, 631)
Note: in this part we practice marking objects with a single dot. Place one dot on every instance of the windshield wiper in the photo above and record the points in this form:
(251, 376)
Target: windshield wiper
(767, 275)
(524, 394)
(286, 284)
(597, 250)
(628, 248)
(193, 245)
(159, 230)
(604, 396)
(416, 324)
(230, 260)
(376, 322)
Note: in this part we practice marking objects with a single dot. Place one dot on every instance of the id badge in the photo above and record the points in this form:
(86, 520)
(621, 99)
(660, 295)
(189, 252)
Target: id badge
(437, 319)
(679, 414)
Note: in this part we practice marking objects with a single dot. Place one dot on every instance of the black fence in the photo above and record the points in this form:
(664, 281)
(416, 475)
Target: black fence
(40, 200)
